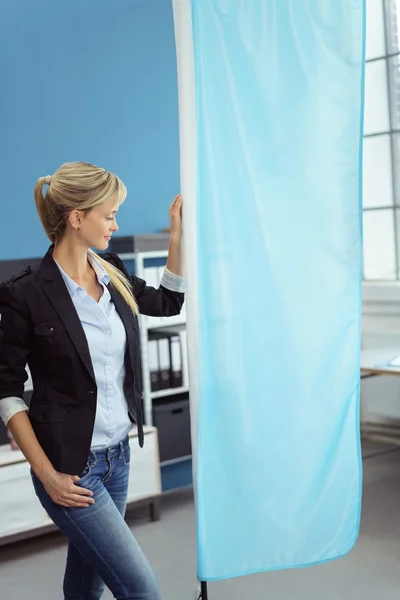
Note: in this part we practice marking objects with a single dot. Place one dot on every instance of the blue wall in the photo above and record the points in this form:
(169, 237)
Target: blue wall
(91, 80)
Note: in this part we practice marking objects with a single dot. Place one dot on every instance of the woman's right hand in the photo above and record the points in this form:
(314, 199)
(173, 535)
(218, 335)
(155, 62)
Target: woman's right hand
(62, 490)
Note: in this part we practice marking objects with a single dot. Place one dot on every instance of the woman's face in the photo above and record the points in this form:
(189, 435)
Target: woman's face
(97, 226)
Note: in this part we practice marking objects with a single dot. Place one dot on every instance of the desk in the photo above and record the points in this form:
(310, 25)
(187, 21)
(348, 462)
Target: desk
(372, 365)
(372, 360)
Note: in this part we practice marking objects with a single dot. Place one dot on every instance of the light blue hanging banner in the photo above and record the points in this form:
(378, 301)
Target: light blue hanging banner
(271, 112)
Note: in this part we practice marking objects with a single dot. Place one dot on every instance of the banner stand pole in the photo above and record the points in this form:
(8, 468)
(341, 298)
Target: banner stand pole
(203, 593)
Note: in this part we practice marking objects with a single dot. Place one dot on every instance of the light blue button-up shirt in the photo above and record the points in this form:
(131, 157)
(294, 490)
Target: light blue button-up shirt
(106, 338)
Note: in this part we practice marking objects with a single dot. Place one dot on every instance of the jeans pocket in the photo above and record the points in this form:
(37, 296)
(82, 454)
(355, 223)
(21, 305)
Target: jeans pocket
(85, 472)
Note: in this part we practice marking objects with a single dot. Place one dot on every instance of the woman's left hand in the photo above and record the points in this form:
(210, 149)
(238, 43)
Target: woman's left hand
(175, 216)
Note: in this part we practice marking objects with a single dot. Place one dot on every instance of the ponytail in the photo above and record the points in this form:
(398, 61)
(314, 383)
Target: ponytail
(43, 212)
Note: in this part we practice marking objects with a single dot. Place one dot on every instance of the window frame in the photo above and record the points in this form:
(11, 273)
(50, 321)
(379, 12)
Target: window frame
(373, 287)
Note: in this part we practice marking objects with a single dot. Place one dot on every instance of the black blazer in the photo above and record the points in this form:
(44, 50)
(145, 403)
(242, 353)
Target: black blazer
(40, 327)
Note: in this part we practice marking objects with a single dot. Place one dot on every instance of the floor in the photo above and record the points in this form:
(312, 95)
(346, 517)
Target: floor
(33, 570)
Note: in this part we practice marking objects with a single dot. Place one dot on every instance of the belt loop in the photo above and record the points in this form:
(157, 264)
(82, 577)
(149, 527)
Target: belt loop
(94, 457)
(121, 450)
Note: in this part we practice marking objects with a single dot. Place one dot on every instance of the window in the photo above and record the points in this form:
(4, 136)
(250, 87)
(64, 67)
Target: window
(381, 178)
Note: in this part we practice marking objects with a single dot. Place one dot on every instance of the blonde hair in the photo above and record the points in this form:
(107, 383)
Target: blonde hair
(81, 186)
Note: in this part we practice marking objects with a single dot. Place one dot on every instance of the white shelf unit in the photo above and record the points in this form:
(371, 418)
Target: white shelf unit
(146, 324)
(170, 392)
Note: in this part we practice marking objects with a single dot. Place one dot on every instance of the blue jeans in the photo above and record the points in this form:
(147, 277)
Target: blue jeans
(102, 550)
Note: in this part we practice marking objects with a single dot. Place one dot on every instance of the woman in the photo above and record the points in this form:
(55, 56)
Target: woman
(74, 321)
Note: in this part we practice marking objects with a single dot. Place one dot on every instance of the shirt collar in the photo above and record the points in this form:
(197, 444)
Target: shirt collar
(101, 274)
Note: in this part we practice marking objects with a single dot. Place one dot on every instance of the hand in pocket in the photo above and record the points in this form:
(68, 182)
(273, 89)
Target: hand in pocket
(62, 490)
